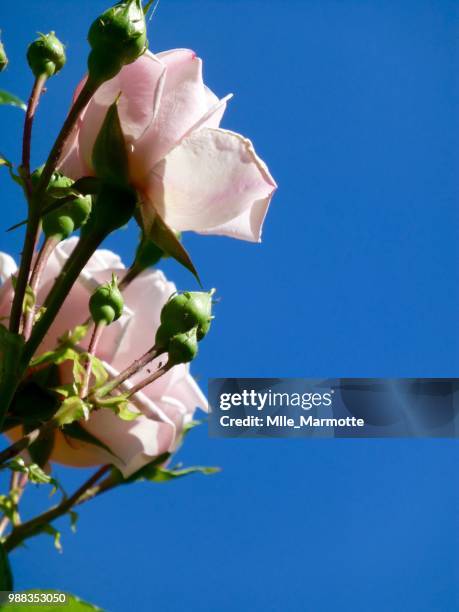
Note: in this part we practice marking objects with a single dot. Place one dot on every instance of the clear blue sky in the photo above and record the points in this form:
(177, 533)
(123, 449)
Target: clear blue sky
(354, 106)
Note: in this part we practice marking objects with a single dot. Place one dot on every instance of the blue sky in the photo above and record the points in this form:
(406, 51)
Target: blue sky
(354, 107)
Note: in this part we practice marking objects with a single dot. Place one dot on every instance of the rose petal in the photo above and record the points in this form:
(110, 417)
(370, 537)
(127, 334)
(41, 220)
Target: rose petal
(184, 100)
(8, 267)
(139, 84)
(211, 178)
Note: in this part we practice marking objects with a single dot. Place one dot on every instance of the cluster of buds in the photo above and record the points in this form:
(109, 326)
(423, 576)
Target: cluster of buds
(185, 320)
(118, 37)
(68, 216)
(46, 55)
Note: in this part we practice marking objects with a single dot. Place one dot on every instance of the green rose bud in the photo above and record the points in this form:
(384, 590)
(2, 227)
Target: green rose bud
(3, 58)
(106, 303)
(118, 37)
(46, 55)
(67, 218)
(58, 180)
(183, 348)
(187, 310)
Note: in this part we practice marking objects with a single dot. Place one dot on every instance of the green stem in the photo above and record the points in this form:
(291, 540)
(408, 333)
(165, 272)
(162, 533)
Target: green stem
(85, 248)
(55, 154)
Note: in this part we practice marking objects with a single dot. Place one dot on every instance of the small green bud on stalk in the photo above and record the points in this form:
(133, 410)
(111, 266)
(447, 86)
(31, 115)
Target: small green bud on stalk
(57, 181)
(106, 303)
(183, 348)
(69, 217)
(3, 58)
(46, 55)
(118, 37)
(187, 310)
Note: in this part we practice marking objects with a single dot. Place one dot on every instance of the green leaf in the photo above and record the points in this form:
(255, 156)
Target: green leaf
(11, 100)
(73, 604)
(163, 475)
(155, 472)
(109, 155)
(165, 238)
(6, 576)
(72, 409)
(120, 406)
(54, 533)
(34, 472)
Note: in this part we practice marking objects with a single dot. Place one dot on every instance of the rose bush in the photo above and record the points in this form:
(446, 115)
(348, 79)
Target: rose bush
(186, 169)
(165, 406)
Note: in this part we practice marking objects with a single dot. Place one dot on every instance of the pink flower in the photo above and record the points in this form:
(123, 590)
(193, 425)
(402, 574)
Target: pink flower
(186, 169)
(164, 407)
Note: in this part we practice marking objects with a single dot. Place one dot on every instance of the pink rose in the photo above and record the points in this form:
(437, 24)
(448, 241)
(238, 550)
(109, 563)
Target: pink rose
(164, 407)
(195, 175)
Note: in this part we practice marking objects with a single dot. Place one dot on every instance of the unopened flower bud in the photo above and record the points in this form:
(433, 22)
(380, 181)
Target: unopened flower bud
(57, 181)
(3, 58)
(187, 310)
(106, 303)
(67, 218)
(118, 37)
(46, 55)
(183, 348)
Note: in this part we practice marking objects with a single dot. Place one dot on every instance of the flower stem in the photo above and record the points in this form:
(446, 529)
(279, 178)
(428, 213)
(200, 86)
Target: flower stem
(37, 90)
(150, 379)
(18, 484)
(32, 527)
(56, 297)
(33, 221)
(78, 106)
(48, 247)
(135, 367)
(26, 441)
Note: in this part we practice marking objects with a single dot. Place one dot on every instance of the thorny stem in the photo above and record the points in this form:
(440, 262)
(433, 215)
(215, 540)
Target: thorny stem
(135, 367)
(40, 264)
(33, 221)
(37, 90)
(21, 532)
(150, 379)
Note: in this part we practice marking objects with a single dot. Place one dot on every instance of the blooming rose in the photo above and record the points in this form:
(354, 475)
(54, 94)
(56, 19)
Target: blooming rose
(165, 406)
(195, 175)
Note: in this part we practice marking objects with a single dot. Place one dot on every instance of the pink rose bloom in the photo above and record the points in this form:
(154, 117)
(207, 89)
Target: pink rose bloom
(186, 169)
(164, 407)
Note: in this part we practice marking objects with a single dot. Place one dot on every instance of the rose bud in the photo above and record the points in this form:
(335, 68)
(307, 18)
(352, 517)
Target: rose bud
(3, 58)
(187, 310)
(183, 348)
(46, 55)
(118, 37)
(67, 218)
(106, 303)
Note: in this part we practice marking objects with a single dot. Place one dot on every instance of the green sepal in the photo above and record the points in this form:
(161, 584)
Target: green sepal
(166, 239)
(109, 155)
(10, 99)
(119, 404)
